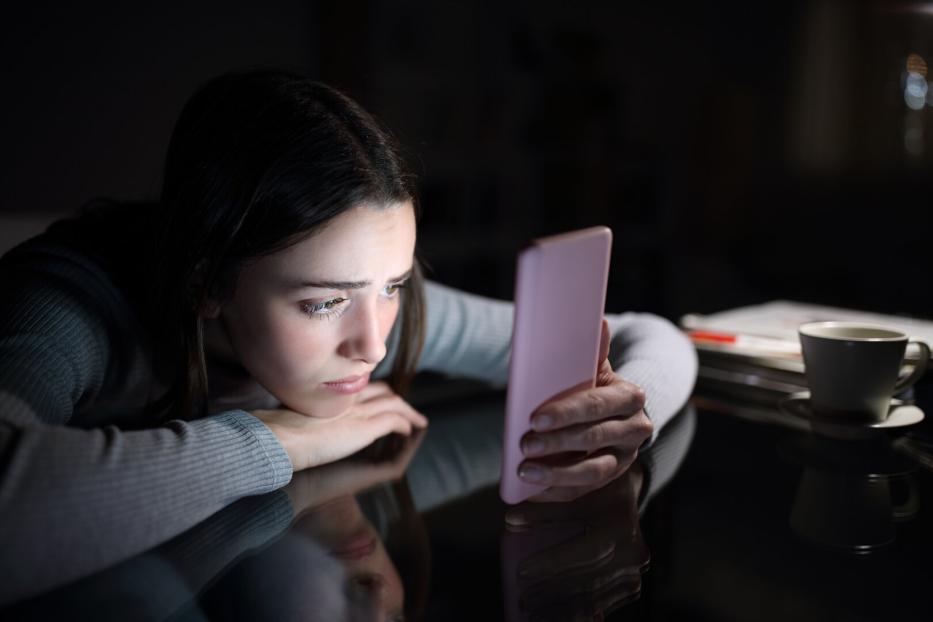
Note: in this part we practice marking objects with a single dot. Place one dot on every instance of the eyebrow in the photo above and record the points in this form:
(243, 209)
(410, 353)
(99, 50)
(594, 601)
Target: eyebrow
(345, 284)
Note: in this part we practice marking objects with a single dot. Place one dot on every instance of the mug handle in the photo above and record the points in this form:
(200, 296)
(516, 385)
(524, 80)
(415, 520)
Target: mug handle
(919, 368)
(906, 510)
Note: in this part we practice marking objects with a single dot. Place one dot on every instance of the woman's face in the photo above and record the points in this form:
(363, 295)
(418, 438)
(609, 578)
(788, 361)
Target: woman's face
(372, 585)
(310, 322)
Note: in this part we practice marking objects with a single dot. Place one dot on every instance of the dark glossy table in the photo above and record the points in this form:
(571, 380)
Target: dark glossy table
(733, 514)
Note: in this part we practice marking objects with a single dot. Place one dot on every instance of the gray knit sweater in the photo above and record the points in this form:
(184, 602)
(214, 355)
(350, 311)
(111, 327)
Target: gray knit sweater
(80, 466)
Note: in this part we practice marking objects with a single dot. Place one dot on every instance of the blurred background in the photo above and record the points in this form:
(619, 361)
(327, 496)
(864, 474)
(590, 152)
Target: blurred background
(741, 151)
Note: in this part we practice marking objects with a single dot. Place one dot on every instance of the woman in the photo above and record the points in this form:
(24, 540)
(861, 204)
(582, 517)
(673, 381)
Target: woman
(158, 363)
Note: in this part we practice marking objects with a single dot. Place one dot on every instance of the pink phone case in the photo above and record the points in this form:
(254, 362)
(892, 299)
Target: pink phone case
(560, 294)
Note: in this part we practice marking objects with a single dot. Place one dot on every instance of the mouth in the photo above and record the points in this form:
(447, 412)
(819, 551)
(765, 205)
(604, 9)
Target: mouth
(358, 548)
(348, 385)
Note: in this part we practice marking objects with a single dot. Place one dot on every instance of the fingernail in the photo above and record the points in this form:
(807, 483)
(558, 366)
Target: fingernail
(531, 473)
(533, 446)
(542, 422)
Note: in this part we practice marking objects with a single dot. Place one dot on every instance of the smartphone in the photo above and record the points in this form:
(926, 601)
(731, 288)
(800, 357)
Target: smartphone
(560, 296)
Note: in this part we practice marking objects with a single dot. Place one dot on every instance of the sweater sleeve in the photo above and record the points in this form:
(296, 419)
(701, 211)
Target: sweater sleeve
(161, 583)
(90, 497)
(470, 335)
(652, 353)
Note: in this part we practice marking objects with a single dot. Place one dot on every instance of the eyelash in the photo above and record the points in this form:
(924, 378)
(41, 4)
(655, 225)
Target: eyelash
(334, 308)
(327, 310)
(396, 287)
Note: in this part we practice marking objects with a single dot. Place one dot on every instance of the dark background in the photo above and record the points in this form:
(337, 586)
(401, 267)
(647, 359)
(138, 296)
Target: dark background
(741, 151)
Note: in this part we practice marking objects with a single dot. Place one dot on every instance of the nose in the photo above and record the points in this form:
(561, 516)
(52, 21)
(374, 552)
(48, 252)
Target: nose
(364, 340)
(370, 583)
(367, 597)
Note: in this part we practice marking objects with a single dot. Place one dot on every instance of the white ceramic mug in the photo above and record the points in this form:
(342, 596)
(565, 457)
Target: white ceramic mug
(852, 369)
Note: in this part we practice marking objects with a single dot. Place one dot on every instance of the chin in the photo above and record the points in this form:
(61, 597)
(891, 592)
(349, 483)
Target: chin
(322, 407)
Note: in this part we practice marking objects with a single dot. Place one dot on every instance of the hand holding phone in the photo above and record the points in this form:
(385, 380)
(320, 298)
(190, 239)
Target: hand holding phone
(572, 425)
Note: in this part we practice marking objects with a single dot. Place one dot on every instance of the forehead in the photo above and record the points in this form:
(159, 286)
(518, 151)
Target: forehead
(358, 242)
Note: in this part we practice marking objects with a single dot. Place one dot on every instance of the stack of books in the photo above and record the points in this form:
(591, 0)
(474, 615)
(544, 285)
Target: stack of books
(753, 353)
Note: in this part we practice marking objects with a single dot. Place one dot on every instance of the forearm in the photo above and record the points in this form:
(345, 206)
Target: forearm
(95, 497)
(158, 584)
(202, 553)
(652, 353)
(467, 335)
(665, 456)
(470, 335)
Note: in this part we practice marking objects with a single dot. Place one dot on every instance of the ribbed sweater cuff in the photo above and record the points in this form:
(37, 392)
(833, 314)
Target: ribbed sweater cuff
(279, 462)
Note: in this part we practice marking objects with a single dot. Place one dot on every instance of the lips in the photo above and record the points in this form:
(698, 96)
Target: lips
(357, 548)
(348, 385)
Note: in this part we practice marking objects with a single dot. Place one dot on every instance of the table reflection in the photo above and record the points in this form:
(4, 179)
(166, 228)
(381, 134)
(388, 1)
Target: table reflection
(576, 560)
(850, 493)
(367, 538)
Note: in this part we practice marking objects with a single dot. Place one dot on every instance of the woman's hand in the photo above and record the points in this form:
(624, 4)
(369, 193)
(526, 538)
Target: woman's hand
(311, 441)
(386, 463)
(585, 440)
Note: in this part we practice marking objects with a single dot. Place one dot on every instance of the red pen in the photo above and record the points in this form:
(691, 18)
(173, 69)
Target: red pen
(750, 342)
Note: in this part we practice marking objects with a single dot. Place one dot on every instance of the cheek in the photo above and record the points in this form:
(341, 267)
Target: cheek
(307, 346)
(284, 348)
(387, 319)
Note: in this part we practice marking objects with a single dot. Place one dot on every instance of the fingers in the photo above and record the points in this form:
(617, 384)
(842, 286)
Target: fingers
(339, 439)
(311, 441)
(627, 434)
(564, 494)
(535, 514)
(595, 580)
(625, 590)
(390, 402)
(618, 399)
(582, 600)
(575, 554)
(416, 418)
(374, 389)
(559, 591)
(617, 496)
(381, 424)
(597, 469)
(411, 417)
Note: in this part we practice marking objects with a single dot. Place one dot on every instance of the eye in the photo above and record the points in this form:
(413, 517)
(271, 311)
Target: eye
(392, 290)
(328, 309)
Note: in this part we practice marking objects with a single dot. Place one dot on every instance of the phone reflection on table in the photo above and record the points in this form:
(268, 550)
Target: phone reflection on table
(578, 560)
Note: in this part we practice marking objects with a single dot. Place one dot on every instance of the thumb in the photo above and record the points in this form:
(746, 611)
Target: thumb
(604, 373)
(604, 342)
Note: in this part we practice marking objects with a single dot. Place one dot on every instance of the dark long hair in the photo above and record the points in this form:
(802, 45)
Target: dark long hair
(257, 162)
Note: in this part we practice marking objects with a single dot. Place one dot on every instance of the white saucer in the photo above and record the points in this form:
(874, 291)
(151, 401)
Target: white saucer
(900, 415)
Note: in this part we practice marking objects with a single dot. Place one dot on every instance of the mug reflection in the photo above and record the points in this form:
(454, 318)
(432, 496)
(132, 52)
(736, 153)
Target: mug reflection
(850, 494)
